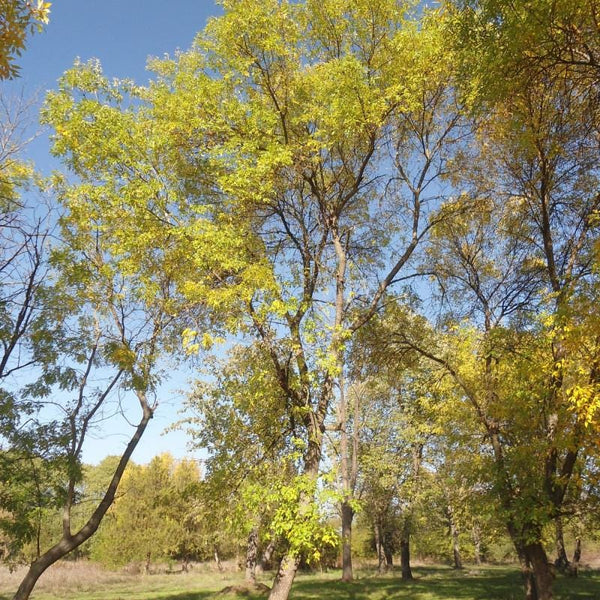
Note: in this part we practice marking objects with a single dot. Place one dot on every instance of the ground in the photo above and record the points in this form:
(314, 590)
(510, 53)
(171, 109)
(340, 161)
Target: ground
(82, 581)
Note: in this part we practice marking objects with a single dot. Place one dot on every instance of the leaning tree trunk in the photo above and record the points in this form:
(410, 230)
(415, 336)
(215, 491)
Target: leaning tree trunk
(251, 555)
(71, 541)
(284, 578)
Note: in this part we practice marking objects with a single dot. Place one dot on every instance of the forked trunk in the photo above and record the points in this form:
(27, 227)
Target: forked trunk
(538, 574)
(265, 560)
(347, 516)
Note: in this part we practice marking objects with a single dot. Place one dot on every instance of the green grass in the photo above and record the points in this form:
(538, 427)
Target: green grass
(430, 583)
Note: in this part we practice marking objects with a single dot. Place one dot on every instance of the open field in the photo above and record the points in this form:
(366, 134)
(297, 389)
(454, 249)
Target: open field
(89, 582)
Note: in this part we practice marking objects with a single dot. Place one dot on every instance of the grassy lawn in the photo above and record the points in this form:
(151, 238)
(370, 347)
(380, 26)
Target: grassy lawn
(430, 583)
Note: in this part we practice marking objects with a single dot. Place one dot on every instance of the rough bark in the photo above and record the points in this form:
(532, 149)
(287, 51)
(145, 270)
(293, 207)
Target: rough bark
(543, 573)
(284, 578)
(251, 555)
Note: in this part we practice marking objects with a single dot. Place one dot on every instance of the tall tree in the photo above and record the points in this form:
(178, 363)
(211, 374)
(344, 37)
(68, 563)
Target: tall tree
(517, 264)
(288, 147)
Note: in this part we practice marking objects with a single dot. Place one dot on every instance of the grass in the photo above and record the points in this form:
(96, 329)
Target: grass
(89, 582)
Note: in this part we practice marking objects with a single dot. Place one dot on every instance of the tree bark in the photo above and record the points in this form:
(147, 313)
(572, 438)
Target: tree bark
(265, 561)
(70, 542)
(217, 558)
(562, 560)
(454, 532)
(405, 551)
(388, 550)
(574, 566)
(543, 574)
(251, 555)
(347, 517)
(379, 547)
(284, 578)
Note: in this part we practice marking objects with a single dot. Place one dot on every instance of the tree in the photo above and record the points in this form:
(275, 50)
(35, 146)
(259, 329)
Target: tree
(279, 144)
(505, 45)
(149, 515)
(101, 339)
(18, 19)
(516, 265)
(240, 419)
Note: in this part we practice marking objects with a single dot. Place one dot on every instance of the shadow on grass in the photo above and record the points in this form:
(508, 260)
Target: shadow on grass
(433, 583)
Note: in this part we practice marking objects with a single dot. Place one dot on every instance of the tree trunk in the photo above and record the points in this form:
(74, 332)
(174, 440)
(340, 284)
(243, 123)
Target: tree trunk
(476, 533)
(70, 542)
(147, 563)
(251, 554)
(454, 532)
(289, 563)
(388, 550)
(405, 552)
(217, 558)
(379, 547)
(574, 566)
(347, 516)
(543, 574)
(284, 578)
(265, 561)
(562, 561)
(528, 579)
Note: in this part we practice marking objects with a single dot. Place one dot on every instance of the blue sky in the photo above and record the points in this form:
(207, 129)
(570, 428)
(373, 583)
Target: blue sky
(121, 34)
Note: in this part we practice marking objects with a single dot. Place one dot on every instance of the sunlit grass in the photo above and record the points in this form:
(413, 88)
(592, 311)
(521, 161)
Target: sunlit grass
(87, 582)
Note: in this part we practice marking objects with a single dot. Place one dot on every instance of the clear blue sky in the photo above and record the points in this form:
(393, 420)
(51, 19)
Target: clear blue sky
(122, 34)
